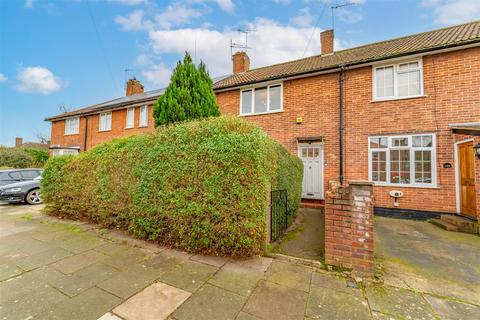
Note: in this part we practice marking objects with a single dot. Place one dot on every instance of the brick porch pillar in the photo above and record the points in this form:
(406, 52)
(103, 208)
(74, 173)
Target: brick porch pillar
(349, 227)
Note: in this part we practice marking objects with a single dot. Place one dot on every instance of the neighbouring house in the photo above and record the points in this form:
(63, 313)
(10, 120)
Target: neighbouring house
(403, 113)
(19, 143)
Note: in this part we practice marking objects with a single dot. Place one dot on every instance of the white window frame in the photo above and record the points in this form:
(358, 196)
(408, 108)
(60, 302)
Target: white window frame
(72, 126)
(395, 80)
(412, 150)
(143, 121)
(252, 113)
(130, 118)
(107, 121)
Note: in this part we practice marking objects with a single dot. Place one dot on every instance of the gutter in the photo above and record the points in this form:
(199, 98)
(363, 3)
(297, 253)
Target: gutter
(353, 65)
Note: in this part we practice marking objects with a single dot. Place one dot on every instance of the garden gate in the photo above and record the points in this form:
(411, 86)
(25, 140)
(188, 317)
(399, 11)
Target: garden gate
(279, 213)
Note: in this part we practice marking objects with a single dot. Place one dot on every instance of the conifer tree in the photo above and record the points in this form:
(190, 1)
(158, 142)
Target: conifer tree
(189, 95)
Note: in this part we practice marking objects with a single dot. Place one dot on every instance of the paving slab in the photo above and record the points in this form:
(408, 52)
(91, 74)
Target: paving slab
(81, 242)
(259, 264)
(126, 259)
(245, 316)
(237, 280)
(189, 275)
(9, 270)
(112, 248)
(126, 283)
(333, 282)
(274, 301)
(73, 284)
(79, 261)
(453, 310)
(324, 303)
(399, 302)
(43, 258)
(90, 304)
(211, 260)
(290, 275)
(109, 316)
(210, 303)
(31, 303)
(155, 302)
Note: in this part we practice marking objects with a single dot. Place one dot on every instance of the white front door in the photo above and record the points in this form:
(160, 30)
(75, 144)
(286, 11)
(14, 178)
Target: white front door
(312, 157)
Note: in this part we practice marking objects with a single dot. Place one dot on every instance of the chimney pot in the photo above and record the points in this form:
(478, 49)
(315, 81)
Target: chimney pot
(133, 87)
(18, 142)
(326, 41)
(241, 62)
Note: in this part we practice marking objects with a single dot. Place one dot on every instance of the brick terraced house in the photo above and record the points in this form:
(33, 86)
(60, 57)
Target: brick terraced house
(403, 113)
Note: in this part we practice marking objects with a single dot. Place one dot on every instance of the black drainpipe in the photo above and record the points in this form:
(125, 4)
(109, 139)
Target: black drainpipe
(340, 83)
(86, 130)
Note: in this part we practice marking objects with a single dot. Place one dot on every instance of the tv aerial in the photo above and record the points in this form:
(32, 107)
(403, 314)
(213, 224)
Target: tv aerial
(244, 46)
(333, 8)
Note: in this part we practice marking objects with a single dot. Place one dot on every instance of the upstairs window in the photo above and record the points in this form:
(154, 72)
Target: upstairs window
(105, 121)
(402, 160)
(130, 117)
(402, 80)
(143, 116)
(72, 125)
(261, 100)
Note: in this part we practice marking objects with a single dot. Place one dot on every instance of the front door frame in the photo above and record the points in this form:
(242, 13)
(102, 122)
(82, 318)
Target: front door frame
(457, 175)
(322, 165)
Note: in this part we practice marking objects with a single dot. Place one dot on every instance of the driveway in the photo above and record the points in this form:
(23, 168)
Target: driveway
(52, 269)
(422, 257)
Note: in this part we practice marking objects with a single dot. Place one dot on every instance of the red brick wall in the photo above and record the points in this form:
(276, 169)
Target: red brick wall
(95, 137)
(452, 95)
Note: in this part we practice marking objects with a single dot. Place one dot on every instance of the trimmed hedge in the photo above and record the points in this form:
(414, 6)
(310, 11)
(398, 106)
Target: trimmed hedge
(200, 186)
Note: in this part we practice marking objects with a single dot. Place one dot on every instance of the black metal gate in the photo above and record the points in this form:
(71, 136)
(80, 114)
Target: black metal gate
(278, 210)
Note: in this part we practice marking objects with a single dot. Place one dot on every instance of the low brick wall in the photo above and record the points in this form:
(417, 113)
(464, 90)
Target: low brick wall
(349, 227)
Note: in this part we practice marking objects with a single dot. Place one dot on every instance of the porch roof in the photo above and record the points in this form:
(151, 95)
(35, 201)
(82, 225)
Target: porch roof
(469, 128)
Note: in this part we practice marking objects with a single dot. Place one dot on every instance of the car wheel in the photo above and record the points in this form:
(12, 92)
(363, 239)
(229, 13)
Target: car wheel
(33, 197)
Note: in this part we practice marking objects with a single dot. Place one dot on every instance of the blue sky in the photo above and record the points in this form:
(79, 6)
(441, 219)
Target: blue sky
(72, 53)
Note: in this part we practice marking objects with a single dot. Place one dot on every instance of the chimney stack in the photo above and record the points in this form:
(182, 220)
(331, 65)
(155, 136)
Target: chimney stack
(18, 142)
(241, 62)
(134, 86)
(326, 41)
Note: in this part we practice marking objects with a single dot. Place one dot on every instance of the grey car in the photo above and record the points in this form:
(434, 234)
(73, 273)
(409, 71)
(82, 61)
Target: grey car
(20, 192)
(18, 175)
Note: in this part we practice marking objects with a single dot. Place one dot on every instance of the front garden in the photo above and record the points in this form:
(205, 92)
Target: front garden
(201, 186)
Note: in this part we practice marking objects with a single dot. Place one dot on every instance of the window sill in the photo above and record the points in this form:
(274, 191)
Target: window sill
(394, 185)
(260, 114)
(104, 130)
(398, 98)
(71, 134)
(146, 126)
(127, 128)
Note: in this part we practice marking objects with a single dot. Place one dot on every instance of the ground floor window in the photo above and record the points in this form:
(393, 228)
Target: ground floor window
(65, 151)
(407, 160)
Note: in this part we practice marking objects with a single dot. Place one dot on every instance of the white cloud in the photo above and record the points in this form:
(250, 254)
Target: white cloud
(143, 60)
(448, 12)
(3, 78)
(176, 14)
(225, 5)
(302, 19)
(128, 2)
(213, 45)
(158, 75)
(29, 4)
(134, 21)
(37, 80)
(282, 1)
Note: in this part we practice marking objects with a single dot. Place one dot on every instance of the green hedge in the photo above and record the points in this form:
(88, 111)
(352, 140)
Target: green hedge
(200, 186)
(22, 157)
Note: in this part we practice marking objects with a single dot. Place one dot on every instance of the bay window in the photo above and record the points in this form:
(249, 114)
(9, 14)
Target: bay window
(401, 80)
(402, 160)
(261, 100)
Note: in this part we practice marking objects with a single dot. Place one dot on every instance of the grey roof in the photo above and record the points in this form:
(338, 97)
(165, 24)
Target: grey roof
(122, 102)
